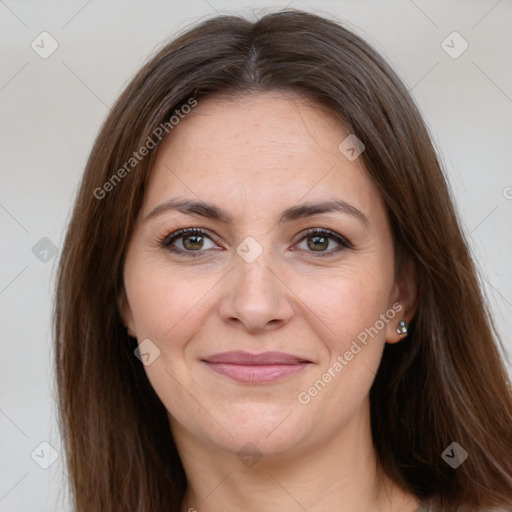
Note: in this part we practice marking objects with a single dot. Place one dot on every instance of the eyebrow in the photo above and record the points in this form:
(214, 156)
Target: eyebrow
(214, 212)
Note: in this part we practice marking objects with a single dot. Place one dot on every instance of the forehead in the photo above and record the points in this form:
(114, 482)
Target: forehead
(259, 123)
(263, 147)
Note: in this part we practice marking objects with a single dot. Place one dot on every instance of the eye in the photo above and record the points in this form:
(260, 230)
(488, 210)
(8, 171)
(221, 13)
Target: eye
(191, 241)
(318, 241)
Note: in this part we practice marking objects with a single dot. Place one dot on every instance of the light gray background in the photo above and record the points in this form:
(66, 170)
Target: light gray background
(51, 109)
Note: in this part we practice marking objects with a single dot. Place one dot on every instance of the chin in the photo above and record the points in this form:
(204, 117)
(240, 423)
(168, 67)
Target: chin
(271, 428)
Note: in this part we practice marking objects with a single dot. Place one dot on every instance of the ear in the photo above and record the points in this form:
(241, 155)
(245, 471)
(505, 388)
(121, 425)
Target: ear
(126, 313)
(405, 297)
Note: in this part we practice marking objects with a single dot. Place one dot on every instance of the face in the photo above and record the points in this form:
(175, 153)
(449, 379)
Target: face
(267, 323)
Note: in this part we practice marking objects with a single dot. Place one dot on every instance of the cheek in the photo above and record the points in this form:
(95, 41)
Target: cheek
(167, 309)
(355, 312)
(169, 304)
(347, 303)
(164, 304)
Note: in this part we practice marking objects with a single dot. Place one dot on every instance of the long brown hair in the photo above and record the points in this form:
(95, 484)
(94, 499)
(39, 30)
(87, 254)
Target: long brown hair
(446, 383)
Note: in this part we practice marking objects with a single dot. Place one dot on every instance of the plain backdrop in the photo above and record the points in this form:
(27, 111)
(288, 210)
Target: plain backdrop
(51, 109)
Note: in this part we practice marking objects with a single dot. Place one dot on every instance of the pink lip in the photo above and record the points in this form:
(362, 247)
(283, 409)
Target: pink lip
(256, 368)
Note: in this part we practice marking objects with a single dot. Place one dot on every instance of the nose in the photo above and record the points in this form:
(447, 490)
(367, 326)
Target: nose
(256, 296)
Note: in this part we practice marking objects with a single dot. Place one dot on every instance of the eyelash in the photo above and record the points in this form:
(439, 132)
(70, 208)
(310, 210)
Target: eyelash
(166, 242)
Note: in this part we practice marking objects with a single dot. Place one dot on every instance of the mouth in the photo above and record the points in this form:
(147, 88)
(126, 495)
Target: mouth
(256, 368)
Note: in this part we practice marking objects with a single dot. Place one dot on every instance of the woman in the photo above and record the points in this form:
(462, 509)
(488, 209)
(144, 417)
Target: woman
(265, 301)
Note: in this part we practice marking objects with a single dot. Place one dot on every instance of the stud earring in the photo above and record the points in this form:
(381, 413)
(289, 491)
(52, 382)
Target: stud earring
(402, 328)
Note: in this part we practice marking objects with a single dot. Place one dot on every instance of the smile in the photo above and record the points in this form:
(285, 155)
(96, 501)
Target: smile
(256, 368)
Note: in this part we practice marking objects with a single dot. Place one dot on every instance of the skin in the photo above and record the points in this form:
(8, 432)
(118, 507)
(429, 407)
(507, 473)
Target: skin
(255, 156)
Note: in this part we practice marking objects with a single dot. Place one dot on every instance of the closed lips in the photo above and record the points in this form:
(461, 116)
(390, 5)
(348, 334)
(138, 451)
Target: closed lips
(256, 369)
(265, 358)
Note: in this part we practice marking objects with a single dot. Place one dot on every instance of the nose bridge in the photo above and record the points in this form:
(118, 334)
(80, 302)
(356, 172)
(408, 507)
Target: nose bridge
(256, 294)
(254, 274)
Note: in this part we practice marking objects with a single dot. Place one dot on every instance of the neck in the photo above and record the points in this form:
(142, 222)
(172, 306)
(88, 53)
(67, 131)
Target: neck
(338, 473)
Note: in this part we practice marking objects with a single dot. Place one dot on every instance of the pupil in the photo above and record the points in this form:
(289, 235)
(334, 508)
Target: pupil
(322, 245)
(195, 241)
